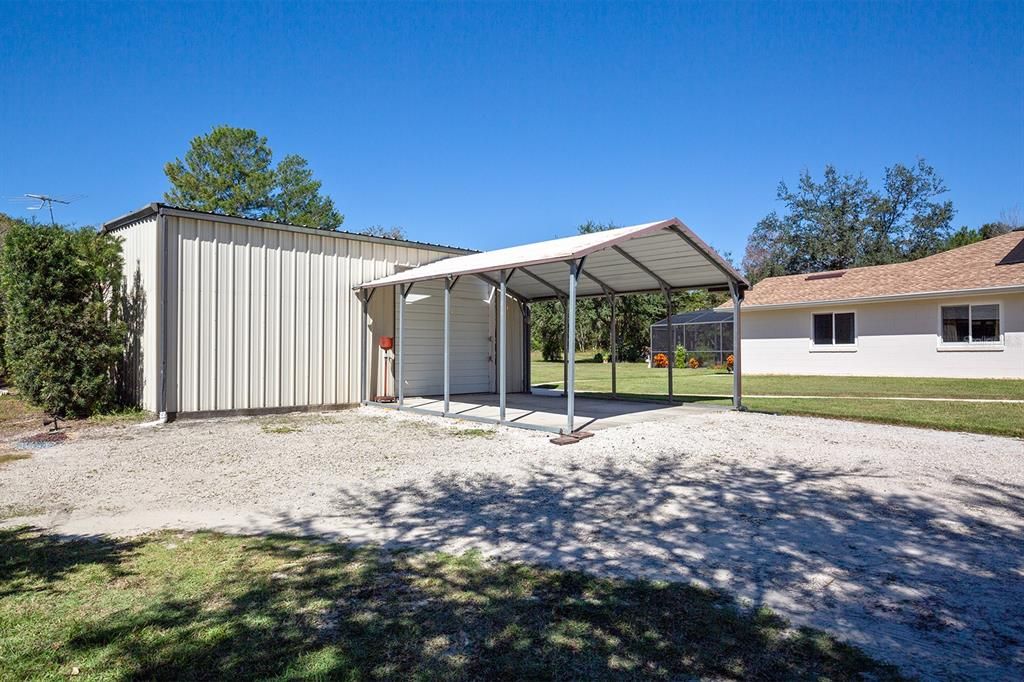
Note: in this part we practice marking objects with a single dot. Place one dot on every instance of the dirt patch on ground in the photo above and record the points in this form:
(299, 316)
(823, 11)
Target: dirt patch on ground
(907, 542)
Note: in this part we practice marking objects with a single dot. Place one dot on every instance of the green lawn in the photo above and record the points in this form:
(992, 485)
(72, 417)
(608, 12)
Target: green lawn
(188, 606)
(636, 380)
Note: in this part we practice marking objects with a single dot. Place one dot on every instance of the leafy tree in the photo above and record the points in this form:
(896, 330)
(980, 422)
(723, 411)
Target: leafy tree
(904, 220)
(989, 230)
(841, 222)
(393, 232)
(967, 235)
(962, 237)
(64, 336)
(297, 199)
(230, 171)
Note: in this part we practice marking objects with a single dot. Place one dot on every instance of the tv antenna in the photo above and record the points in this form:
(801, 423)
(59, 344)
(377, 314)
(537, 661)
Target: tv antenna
(47, 201)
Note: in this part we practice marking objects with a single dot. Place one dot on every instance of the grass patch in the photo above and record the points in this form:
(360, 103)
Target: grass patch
(634, 377)
(16, 415)
(125, 415)
(635, 381)
(473, 433)
(998, 419)
(294, 423)
(279, 428)
(8, 457)
(181, 606)
(11, 511)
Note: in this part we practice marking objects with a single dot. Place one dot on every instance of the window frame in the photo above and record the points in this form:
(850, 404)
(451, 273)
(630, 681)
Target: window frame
(970, 344)
(834, 347)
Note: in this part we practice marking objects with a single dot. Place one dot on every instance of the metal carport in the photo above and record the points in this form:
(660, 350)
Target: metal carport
(663, 256)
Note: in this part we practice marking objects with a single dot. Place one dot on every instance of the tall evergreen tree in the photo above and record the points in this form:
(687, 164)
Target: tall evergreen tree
(230, 171)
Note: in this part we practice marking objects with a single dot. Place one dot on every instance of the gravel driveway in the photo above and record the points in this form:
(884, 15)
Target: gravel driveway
(907, 542)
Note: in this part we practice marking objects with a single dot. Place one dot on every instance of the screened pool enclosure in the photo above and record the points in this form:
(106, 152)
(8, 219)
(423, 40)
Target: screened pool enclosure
(705, 334)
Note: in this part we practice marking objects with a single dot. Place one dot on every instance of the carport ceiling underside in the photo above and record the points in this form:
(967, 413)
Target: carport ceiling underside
(641, 258)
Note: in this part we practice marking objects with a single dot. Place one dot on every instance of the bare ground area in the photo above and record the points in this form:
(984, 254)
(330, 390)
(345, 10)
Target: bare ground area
(906, 542)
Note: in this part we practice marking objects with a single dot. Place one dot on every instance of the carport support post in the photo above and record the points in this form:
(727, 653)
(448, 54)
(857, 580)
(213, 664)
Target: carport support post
(400, 360)
(448, 282)
(671, 342)
(737, 342)
(565, 346)
(502, 344)
(527, 340)
(364, 358)
(613, 351)
(363, 349)
(575, 267)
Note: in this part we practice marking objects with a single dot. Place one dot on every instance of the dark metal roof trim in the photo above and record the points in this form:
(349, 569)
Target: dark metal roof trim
(155, 208)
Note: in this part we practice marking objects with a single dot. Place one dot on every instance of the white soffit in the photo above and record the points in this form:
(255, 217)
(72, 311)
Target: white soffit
(624, 260)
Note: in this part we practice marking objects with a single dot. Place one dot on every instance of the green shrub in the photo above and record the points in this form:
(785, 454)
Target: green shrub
(680, 356)
(6, 223)
(551, 349)
(63, 332)
(598, 357)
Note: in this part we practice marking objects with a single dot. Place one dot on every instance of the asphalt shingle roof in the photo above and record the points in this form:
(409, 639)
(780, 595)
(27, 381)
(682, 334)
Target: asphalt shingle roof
(994, 262)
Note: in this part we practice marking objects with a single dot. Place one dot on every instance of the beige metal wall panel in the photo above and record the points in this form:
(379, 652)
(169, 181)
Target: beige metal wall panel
(472, 346)
(514, 320)
(266, 318)
(140, 367)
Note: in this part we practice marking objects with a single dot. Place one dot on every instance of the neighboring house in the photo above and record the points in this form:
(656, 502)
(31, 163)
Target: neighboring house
(959, 313)
(704, 333)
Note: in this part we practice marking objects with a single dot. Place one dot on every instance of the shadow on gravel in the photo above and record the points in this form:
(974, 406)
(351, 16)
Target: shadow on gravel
(181, 606)
(902, 575)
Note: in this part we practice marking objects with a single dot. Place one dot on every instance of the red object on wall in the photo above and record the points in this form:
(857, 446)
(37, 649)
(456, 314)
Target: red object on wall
(386, 343)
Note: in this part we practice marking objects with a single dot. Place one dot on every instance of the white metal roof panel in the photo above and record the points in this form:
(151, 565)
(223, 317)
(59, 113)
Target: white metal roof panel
(668, 248)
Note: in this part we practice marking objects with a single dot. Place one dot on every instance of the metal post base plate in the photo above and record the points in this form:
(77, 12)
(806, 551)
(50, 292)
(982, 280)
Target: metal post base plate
(574, 438)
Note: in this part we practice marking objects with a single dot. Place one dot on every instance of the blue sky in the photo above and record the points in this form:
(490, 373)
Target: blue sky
(485, 125)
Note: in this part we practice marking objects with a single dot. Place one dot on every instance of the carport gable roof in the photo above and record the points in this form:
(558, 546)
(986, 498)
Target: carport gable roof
(635, 259)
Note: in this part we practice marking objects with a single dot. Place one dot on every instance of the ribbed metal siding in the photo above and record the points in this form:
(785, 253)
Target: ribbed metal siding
(140, 366)
(469, 347)
(266, 318)
(514, 320)
(472, 347)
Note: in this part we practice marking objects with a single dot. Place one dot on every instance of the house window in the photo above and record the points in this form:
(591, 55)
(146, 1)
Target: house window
(834, 329)
(970, 323)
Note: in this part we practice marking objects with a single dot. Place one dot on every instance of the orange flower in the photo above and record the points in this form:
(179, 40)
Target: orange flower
(661, 360)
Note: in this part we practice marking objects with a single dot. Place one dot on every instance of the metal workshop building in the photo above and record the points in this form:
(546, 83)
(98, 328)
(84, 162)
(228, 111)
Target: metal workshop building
(235, 316)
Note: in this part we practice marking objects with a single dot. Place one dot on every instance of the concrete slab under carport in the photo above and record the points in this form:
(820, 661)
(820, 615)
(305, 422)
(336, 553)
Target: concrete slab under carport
(547, 410)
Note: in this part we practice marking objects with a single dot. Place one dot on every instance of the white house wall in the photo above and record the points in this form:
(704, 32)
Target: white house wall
(266, 318)
(893, 339)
